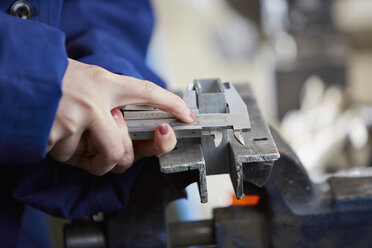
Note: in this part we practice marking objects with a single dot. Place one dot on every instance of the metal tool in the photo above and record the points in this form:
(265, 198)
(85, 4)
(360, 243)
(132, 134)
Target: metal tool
(222, 139)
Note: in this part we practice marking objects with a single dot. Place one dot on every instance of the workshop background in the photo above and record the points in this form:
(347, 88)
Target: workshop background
(308, 61)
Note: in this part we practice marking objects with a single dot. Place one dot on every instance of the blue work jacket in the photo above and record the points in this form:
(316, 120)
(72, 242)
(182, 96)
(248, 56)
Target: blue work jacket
(113, 34)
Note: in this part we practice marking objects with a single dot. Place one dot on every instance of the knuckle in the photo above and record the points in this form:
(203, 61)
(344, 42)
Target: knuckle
(148, 88)
(117, 153)
(98, 170)
(88, 104)
(119, 169)
(179, 102)
(65, 157)
(61, 156)
(97, 73)
(52, 140)
(180, 106)
(165, 146)
(160, 149)
(68, 123)
(128, 159)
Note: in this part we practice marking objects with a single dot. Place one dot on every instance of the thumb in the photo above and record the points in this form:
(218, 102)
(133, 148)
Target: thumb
(164, 141)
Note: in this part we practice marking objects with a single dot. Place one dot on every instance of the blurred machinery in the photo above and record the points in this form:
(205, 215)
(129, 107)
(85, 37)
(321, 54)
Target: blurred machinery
(353, 18)
(330, 75)
(305, 41)
(321, 51)
(322, 56)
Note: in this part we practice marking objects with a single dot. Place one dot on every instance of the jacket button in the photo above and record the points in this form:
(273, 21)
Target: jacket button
(21, 9)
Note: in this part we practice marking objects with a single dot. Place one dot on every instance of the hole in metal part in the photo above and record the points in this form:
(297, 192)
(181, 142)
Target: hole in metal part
(206, 86)
(259, 139)
(226, 85)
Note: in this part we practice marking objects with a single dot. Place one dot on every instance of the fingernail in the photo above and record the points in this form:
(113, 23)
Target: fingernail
(193, 117)
(115, 113)
(163, 129)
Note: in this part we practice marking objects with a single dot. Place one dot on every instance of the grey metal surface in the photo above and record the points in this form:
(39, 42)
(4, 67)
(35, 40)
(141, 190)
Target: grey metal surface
(229, 135)
(187, 157)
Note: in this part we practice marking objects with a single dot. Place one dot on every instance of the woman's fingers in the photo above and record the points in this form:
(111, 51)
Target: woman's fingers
(65, 148)
(133, 91)
(128, 157)
(107, 139)
(164, 141)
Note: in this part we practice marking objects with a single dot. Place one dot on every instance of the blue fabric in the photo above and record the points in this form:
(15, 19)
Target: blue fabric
(113, 34)
(32, 63)
(10, 211)
(34, 229)
(70, 192)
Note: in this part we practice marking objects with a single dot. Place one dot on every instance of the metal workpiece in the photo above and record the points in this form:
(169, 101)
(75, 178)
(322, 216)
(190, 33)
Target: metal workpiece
(229, 135)
(187, 158)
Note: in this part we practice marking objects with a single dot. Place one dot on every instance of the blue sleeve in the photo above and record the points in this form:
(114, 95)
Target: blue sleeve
(71, 192)
(32, 64)
(112, 34)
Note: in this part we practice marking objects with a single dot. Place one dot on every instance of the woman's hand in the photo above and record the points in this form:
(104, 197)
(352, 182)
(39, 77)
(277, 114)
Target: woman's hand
(89, 130)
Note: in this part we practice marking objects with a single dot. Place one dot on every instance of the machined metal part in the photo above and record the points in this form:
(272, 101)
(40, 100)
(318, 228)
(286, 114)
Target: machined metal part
(229, 135)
